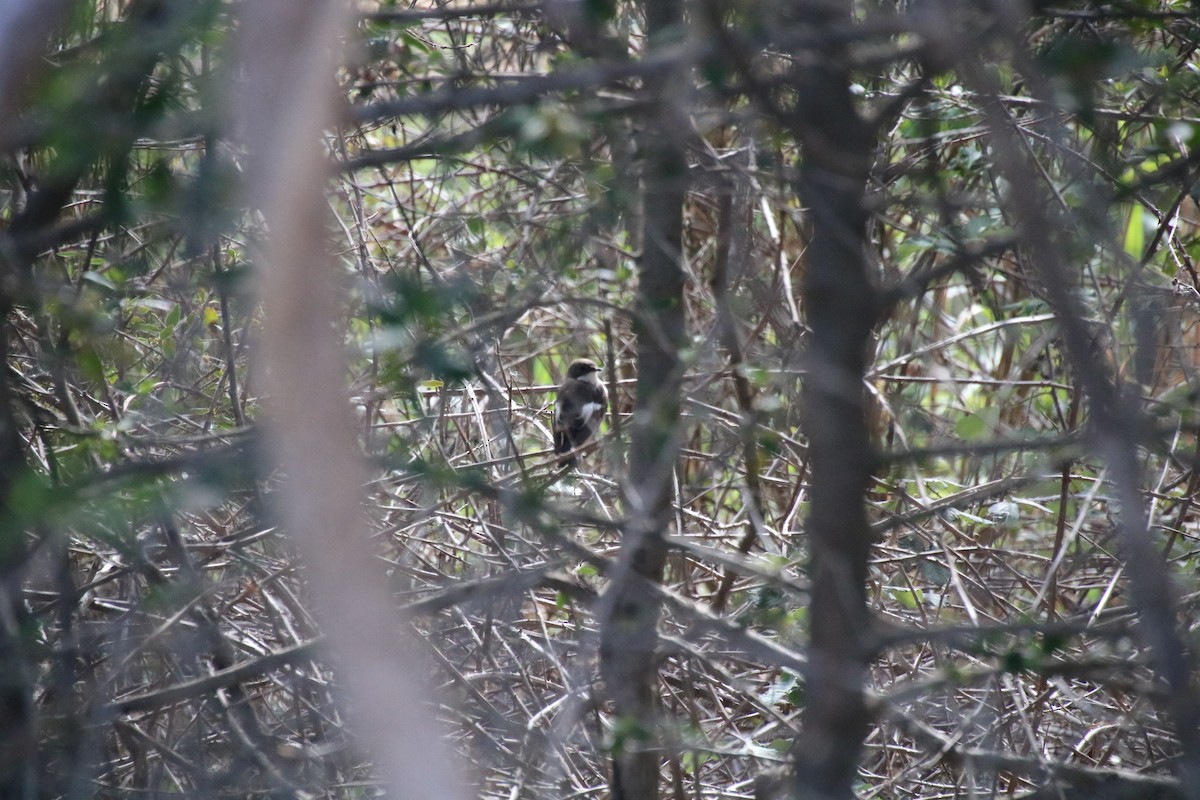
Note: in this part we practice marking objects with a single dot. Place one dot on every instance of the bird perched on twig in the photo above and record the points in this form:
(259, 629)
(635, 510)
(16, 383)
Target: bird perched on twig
(582, 401)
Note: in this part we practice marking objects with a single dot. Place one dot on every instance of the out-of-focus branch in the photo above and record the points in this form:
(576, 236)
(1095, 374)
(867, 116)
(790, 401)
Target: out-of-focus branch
(24, 27)
(288, 55)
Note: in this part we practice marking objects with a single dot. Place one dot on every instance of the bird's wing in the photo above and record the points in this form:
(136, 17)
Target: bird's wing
(566, 410)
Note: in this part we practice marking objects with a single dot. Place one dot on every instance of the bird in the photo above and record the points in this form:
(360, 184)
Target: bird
(582, 401)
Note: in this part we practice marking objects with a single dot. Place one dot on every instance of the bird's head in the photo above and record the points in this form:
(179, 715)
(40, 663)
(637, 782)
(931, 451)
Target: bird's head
(584, 369)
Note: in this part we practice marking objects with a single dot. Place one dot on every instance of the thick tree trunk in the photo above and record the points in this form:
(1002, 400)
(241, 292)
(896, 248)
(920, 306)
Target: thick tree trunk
(841, 304)
(629, 613)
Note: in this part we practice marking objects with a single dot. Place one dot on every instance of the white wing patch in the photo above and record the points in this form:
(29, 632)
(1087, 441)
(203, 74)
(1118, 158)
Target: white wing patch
(589, 410)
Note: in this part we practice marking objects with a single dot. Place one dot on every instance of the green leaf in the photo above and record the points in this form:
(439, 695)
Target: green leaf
(91, 276)
(971, 428)
(90, 364)
(909, 598)
(1135, 232)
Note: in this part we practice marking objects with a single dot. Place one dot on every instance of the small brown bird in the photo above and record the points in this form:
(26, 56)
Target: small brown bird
(581, 404)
